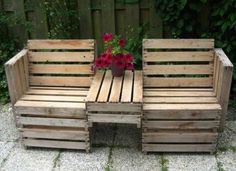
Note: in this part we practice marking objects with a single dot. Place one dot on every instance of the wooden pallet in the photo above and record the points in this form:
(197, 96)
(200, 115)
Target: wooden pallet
(48, 84)
(115, 99)
(182, 111)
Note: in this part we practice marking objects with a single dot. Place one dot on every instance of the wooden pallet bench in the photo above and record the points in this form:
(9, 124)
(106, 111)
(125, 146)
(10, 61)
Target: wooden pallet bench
(48, 83)
(115, 99)
(185, 97)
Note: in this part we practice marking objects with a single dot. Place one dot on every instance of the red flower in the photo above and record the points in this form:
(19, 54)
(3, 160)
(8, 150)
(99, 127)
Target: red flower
(120, 64)
(129, 66)
(122, 43)
(99, 63)
(107, 37)
(128, 58)
(109, 49)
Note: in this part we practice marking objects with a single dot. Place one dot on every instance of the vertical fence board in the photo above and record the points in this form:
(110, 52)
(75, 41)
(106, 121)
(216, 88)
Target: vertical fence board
(132, 16)
(108, 16)
(85, 21)
(97, 29)
(156, 27)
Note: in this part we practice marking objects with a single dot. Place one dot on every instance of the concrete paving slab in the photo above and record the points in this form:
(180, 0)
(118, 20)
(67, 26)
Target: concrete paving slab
(8, 131)
(103, 134)
(33, 159)
(5, 149)
(131, 159)
(227, 160)
(193, 162)
(128, 135)
(79, 161)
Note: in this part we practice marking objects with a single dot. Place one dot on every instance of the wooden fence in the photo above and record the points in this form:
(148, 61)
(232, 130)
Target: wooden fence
(95, 17)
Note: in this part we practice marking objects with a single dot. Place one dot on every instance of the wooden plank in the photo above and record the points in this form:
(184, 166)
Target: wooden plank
(97, 27)
(20, 66)
(179, 137)
(105, 88)
(178, 94)
(113, 118)
(178, 82)
(52, 122)
(182, 114)
(156, 24)
(108, 16)
(131, 9)
(26, 70)
(180, 124)
(57, 92)
(179, 89)
(181, 107)
(60, 81)
(95, 87)
(85, 18)
(86, 44)
(138, 87)
(60, 69)
(178, 147)
(59, 88)
(55, 144)
(127, 87)
(19, 55)
(116, 89)
(178, 43)
(178, 69)
(53, 98)
(54, 134)
(178, 56)
(113, 107)
(61, 56)
(184, 100)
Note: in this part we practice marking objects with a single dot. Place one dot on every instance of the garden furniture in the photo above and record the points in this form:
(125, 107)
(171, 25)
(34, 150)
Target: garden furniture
(48, 83)
(185, 95)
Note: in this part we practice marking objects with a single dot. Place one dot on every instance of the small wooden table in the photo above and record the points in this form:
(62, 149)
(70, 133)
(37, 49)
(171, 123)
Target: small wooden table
(115, 99)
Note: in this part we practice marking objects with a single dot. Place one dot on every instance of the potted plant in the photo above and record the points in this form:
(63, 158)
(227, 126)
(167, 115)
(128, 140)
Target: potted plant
(115, 56)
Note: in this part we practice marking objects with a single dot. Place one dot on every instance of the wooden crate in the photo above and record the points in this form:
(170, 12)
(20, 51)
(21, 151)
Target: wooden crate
(182, 111)
(115, 99)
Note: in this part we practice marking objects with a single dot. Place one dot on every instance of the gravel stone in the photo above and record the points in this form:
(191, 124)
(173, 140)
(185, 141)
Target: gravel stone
(30, 160)
(227, 139)
(193, 162)
(231, 125)
(8, 130)
(5, 149)
(79, 161)
(131, 159)
(227, 160)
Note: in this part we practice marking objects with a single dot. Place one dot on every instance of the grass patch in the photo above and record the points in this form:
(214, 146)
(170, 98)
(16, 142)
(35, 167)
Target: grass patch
(164, 163)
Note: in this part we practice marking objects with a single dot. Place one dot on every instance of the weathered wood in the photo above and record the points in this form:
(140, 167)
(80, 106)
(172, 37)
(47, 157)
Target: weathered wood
(116, 107)
(138, 87)
(64, 92)
(184, 93)
(106, 85)
(116, 89)
(53, 98)
(127, 87)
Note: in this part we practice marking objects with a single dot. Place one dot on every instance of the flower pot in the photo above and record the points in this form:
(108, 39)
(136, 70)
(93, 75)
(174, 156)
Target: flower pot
(116, 71)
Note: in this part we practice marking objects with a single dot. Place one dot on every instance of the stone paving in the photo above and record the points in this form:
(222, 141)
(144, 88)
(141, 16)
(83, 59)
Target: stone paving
(115, 147)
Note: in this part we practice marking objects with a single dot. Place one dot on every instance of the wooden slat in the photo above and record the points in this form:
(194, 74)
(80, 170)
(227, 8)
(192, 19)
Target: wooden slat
(54, 134)
(61, 44)
(71, 92)
(178, 82)
(177, 69)
(59, 88)
(178, 56)
(179, 137)
(113, 118)
(52, 122)
(178, 147)
(180, 124)
(116, 89)
(60, 81)
(182, 114)
(55, 144)
(178, 94)
(178, 43)
(181, 107)
(53, 98)
(95, 87)
(138, 87)
(114, 107)
(60, 69)
(105, 89)
(184, 100)
(179, 89)
(108, 12)
(127, 87)
(61, 56)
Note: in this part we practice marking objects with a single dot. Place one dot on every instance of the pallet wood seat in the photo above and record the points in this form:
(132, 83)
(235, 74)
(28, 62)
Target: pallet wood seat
(185, 94)
(48, 84)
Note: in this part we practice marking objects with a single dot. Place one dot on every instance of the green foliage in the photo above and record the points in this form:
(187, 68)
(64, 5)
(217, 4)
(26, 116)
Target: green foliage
(204, 18)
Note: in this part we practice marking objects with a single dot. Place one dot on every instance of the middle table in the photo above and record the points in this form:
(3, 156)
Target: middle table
(115, 99)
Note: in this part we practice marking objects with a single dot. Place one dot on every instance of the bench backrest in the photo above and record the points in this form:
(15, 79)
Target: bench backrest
(61, 62)
(178, 62)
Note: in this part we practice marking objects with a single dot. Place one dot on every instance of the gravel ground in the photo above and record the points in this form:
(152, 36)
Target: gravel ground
(115, 147)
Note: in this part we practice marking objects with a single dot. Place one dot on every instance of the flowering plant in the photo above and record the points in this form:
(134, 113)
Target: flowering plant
(114, 54)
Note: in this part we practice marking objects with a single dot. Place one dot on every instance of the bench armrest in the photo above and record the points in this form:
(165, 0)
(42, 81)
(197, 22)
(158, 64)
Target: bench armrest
(222, 83)
(17, 75)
